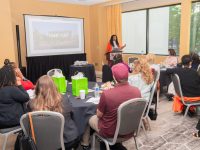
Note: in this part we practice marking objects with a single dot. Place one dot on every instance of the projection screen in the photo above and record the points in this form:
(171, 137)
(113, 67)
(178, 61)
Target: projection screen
(49, 35)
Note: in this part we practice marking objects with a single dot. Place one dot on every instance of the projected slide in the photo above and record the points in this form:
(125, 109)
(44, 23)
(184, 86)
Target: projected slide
(47, 35)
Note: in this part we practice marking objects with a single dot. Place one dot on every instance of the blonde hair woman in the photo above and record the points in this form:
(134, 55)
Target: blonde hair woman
(142, 77)
(150, 58)
(48, 98)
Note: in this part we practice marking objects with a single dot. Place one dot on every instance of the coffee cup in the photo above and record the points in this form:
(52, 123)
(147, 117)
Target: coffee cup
(82, 94)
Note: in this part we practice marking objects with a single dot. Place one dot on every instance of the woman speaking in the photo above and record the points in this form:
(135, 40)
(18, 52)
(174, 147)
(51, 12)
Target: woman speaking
(113, 44)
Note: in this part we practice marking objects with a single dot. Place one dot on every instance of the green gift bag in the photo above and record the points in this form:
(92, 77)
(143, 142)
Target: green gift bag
(60, 83)
(79, 84)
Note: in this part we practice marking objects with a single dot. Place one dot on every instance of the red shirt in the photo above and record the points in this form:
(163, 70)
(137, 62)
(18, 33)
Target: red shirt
(27, 85)
(109, 103)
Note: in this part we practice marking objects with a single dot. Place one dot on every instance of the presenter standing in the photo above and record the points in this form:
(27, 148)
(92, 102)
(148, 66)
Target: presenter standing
(113, 48)
(113, 44)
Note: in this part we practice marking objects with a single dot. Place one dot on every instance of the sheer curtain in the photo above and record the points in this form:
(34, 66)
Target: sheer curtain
(114, 21)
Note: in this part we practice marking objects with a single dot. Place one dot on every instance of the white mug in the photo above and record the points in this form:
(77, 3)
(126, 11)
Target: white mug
(82, 94)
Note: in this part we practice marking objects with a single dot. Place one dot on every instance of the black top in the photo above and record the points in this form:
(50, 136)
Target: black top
(70, 129)
(190, 81)
(12, 99)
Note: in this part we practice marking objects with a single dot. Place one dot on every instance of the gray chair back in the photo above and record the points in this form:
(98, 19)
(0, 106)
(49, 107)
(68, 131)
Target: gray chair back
(129, 117)
(48, 127)
(177, 86)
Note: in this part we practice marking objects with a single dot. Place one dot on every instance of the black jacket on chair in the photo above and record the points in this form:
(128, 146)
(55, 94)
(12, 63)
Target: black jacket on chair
(12, 99)
(189, 79)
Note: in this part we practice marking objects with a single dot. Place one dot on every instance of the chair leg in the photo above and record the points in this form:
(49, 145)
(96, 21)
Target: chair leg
(93, 142)
(148, 123)
(158, 97)
(145, 133)
(5, 142)
(186, 111)
(107, 146)
(136, 146)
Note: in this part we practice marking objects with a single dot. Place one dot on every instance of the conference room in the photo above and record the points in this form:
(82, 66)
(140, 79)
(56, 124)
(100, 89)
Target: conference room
(100, 74)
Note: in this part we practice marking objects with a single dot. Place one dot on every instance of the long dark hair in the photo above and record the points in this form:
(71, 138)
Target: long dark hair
(7, 76)
(195, 58)
(172, 52)
(111, 40)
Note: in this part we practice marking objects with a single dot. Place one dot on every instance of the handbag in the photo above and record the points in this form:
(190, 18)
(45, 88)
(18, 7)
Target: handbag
(153, 112)
(27, 142)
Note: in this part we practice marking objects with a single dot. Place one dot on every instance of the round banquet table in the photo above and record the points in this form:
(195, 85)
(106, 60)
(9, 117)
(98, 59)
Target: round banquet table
(81, 110)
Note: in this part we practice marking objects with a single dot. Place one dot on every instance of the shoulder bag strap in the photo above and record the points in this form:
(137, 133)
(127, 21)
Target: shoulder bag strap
(32, 129)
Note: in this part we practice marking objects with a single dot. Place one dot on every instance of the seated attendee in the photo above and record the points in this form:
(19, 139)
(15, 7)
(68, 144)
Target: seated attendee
(118, 59)
(104, 122)
(12, 98)
(142, 77)
(150, 58)
(190, 82)
(171, 60)
(25, 82)
(48, 98)
(197, 134)
(195, 60)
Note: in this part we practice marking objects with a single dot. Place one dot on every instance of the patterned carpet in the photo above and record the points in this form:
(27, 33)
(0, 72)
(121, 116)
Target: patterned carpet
(168, 132)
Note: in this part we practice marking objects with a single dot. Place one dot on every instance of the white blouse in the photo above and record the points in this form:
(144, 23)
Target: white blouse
(137, 81)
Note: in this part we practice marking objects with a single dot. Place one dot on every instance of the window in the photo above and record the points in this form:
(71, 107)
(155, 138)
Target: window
(162, 30)
(195, 28)
(134, 31)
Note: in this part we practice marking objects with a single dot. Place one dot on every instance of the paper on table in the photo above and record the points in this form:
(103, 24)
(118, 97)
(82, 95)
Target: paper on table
(90, 90)
(31, 93)
(94, 100)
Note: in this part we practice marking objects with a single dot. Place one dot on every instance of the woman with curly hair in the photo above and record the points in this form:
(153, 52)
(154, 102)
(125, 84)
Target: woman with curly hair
(142, 77)
(48, 98)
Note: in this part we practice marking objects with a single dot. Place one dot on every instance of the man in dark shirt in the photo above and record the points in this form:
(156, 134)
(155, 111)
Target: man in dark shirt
(190, 81)
(105, 120)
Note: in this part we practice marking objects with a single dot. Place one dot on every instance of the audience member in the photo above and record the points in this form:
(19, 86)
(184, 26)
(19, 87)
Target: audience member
(150, 58)
(25, 82)
(12, 98)
(195, 60)
(142, 77)
(118, 59)
(171, 60)
(197, 134)
(104, 122)
(48, 98)
(190, 82)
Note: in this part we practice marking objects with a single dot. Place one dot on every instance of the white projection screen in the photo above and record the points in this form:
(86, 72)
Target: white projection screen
(49, 35)
(134, 31)
(159, 30)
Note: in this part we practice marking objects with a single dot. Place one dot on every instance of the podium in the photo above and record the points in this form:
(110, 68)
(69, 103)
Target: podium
(110, 56)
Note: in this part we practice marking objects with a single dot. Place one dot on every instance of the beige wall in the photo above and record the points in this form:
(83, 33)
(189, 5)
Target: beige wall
(36, 7)
(98, 32)
(6, 42)
(142, 4)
